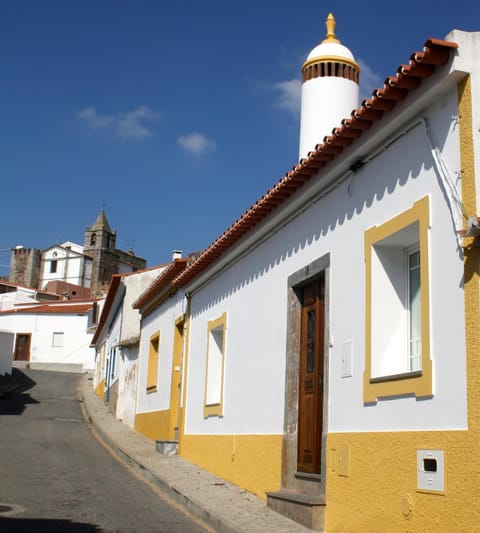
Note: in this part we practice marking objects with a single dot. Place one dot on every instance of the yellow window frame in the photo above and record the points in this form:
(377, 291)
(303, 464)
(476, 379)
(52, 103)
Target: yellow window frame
(417, 383)
(215, 408)
(153, 359)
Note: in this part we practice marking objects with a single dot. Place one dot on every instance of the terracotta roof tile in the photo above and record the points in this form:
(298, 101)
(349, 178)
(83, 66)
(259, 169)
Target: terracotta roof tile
(396, 88)
(162, 283)
(51, 309)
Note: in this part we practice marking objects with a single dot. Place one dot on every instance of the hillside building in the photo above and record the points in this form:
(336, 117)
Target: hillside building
(72, 270)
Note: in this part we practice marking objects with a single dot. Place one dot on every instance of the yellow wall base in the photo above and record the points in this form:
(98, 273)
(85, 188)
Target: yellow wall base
(372, 483)
(252, 462)
(100, 389)
(154, 425)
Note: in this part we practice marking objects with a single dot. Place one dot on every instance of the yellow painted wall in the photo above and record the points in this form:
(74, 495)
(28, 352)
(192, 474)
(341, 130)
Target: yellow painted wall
(252, 462)
(154, 425)
(372, 477)
(100, 389)
(381, 485)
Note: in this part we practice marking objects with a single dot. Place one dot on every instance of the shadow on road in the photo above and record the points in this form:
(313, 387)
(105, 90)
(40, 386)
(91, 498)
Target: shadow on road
(30, 525)
(14, 402)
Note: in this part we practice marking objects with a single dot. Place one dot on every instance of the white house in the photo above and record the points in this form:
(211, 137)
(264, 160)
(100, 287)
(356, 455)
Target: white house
(67, 263)
(53, 335)
(163, 309)
(116, 342)
(330, 335)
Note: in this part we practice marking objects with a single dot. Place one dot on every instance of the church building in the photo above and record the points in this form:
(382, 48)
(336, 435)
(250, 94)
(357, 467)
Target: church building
(72, 270)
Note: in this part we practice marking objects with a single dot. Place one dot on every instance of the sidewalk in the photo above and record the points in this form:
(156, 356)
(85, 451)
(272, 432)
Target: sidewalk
(224, 507)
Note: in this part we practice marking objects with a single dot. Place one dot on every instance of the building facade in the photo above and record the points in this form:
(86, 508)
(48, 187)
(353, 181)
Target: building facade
(52, 336)
(328, 340)
(71, 267)
(116, 343)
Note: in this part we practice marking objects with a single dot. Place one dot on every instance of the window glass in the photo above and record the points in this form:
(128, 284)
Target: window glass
(397, 321)
(153, 356)
(215, 366)
(57, 339)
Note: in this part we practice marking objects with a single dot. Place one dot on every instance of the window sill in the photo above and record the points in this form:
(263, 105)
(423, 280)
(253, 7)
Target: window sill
(394, 377)
(151, 389)
(213, 410)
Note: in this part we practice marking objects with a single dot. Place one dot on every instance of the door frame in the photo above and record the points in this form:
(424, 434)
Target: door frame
(176, 379)
(291, 479)
(311, 377)
(29, 345)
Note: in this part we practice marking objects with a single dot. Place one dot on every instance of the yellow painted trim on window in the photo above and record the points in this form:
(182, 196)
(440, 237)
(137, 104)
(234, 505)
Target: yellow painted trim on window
(155, 424)
(252, 462)
(471, 252)
(215, 409)
(414, 383)
(153, 357)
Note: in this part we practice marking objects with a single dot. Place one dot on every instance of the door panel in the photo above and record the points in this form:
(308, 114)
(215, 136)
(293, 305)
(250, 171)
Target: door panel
(176, 383)
(22, 347)
(310, 401)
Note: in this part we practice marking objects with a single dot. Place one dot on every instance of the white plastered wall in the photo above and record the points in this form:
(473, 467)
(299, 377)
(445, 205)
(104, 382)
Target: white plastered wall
(76, 341)
(6, 351)
(253, 293)
(162, 320)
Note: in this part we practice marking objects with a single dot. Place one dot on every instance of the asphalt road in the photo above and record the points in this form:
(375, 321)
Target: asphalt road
(56, 477)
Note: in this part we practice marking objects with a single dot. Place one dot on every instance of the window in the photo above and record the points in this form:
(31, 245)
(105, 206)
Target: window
(215, 366)
(153, 354)
(397, 345)
(57, 339)
(53, 266)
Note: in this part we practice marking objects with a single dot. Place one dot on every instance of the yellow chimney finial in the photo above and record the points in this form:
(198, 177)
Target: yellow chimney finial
(330, 23)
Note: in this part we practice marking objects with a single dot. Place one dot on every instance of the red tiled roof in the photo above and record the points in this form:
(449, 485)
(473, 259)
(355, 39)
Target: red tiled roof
(51, 309)
(161, 285)
(111, 292)
(396, 88)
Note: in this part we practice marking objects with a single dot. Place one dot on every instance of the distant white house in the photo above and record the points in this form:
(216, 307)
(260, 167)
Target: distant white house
(65, 262)
(53, 335)
(116, 342)
(12, 294)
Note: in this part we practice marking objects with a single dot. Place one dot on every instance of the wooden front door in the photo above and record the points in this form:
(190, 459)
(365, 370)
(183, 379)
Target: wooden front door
(22, 347)
(176, 383)
(310, 400)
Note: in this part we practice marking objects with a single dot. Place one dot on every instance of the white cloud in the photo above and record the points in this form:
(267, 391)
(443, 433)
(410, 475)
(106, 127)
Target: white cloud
(369, 80)
(129, 125)
(90, 116)
(288, 96)
(196, 143)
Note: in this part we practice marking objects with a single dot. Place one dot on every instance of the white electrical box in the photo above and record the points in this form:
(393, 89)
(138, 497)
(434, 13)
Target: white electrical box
(347, 359)
(430, 471)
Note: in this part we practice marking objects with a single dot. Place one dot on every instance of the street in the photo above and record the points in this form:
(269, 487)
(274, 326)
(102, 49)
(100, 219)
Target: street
(56, 477)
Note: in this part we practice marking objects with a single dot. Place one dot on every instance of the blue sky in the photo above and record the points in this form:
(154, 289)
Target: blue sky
(175, 116)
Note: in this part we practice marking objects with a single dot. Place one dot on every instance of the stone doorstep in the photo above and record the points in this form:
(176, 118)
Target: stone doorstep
(303, 508)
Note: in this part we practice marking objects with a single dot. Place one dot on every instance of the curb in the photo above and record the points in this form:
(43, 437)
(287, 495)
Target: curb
(220, 505)
(209, 520)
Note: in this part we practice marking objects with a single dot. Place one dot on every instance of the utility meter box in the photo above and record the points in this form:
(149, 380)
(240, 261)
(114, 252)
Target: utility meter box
(430, 471)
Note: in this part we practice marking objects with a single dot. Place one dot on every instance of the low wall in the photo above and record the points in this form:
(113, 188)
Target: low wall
(6, 351)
